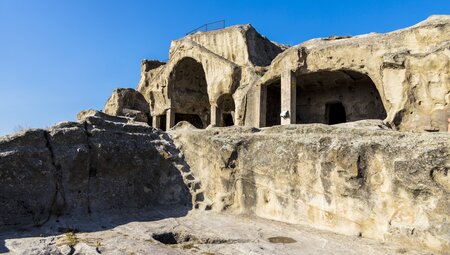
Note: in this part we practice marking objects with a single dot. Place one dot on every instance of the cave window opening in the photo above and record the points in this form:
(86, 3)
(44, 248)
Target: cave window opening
(335, 113)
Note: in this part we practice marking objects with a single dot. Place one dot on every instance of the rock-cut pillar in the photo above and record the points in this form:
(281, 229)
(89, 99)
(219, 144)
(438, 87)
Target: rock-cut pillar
(170, 118)
(156, 121)
(216, 116)
(288, 98)
(261, 106)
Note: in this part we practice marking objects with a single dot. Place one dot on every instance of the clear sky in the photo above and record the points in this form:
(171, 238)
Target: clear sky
(59, 57)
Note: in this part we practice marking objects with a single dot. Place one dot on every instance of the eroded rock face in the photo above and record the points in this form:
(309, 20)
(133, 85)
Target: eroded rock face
(94, 165)
(128, 102)
(364, 180)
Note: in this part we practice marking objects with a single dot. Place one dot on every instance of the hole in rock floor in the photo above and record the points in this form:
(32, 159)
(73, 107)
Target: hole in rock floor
(281, 239)
(170, 238)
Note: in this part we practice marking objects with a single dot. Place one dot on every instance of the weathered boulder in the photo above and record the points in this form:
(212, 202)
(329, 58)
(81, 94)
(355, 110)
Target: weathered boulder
(362, 181)
(128, 102)
(183, 125)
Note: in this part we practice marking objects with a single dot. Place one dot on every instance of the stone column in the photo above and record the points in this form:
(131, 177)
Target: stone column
(170, 118)
(156, 121)
(288, 97)
(216, 116)
(261, 106)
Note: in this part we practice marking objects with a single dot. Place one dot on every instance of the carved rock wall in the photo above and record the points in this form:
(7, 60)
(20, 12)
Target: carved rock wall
(409, 67)
(362, 181)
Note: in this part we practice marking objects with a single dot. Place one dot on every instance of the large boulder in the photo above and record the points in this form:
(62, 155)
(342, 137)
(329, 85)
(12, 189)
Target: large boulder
(128, 102)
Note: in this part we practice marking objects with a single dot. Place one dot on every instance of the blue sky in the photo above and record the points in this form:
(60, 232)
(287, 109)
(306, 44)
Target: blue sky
(59, 57)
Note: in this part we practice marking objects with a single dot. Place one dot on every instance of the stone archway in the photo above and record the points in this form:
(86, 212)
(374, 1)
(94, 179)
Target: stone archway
(189, 93)
(332, 97)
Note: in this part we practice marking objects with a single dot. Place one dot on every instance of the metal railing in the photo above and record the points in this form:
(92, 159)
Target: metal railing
(220, 24)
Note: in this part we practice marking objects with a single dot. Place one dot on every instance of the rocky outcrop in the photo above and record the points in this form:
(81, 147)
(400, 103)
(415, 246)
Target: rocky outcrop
(364, 180)
(129, 103)
(92, 166)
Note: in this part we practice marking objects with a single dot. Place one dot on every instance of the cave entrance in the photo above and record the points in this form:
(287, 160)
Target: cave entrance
(332, 97)
(227, 108)
(335, 113)
(189, 93)
(273, 104)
